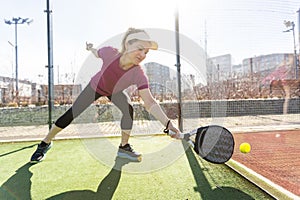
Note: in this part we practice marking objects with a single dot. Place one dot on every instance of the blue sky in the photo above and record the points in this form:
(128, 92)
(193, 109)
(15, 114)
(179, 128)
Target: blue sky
(241, 28)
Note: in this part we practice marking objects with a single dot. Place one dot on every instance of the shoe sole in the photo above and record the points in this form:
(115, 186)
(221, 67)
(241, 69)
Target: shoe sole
(125, 155)
(37, 161)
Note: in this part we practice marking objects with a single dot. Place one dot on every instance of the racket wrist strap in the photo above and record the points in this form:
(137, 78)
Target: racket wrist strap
(166, 130)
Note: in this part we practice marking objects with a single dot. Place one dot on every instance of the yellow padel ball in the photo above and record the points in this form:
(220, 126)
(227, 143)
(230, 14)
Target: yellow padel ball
(245, 147)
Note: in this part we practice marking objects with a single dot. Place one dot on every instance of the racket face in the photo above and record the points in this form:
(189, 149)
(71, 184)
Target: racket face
(214, 144)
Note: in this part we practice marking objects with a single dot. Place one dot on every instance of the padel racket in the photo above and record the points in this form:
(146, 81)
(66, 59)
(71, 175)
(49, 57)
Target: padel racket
(213, 143)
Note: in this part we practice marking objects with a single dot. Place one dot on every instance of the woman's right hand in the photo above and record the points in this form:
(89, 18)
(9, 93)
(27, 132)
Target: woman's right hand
(175, 131)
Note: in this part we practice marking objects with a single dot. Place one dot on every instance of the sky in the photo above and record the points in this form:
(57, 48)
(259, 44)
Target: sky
(241, 28)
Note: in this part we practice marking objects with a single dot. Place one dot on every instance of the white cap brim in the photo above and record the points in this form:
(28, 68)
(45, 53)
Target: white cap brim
(143, 37)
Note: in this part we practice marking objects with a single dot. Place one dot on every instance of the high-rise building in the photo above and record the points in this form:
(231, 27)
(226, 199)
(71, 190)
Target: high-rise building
(267, 63)
(219, 68)
(158, 75)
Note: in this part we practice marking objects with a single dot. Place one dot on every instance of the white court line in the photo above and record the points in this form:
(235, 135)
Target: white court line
(261, 178)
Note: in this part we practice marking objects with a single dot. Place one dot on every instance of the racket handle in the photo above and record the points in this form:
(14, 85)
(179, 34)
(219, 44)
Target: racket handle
(181, 136)
(191, 143)
(170, 133)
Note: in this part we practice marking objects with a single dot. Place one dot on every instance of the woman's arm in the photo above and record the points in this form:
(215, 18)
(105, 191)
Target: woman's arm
(89, 47)
(154, 108)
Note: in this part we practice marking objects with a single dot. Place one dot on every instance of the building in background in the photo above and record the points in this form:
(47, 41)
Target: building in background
(165, 87)
(33, 93)
(158, 76)
(8, 93)
(266, 64)
(219, 68)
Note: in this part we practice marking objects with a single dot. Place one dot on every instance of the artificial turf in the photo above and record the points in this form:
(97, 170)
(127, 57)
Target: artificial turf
(73, 170)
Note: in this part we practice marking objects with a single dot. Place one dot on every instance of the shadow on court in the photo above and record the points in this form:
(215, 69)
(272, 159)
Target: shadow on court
(19, 185)
(203, 186)
(106, 188)
(15, 151)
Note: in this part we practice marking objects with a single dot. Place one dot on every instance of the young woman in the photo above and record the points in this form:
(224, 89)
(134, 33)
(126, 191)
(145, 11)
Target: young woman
(119, 71)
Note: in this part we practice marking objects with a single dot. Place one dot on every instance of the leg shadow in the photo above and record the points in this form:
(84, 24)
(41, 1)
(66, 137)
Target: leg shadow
(203, 186)
(19, 185)
(106, 188)
(15, 151)
(110, 183)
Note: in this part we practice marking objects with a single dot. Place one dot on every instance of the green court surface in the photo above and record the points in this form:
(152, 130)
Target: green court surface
(89, 169)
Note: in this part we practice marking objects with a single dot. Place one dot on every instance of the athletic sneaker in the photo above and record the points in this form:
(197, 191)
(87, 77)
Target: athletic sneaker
(126, 151)
(40, 152)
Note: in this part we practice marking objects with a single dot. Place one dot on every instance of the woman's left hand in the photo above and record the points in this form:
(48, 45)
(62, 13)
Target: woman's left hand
(89, 46)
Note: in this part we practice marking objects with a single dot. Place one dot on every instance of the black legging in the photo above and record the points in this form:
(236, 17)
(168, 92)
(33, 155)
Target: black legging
(87, 97)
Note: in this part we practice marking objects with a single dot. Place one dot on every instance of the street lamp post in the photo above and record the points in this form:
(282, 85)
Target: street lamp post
(289, 24)
(16, 21)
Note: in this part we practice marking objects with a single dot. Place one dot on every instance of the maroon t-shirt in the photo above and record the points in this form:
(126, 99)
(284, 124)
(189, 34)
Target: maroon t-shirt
(112, 78)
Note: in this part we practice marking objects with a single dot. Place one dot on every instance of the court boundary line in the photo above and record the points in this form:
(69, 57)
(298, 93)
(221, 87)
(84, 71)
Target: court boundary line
(262, 182)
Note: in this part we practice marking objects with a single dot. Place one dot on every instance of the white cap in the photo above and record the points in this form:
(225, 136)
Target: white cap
(143, 37)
